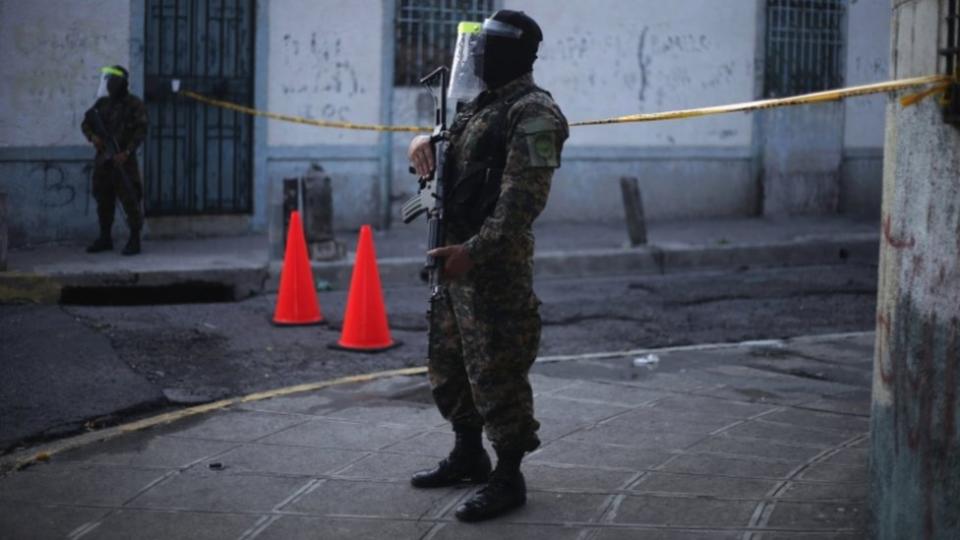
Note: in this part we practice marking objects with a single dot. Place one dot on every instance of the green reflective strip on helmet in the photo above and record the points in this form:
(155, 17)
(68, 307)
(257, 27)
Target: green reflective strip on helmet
(469, 27)
(112, 71)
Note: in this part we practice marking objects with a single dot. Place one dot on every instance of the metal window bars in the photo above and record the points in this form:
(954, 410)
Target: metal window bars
(951, 64)
(426, 33)
(804, 46)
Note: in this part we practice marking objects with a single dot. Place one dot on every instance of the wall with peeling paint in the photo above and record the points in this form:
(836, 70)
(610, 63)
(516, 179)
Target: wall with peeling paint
(331, 59)
(915, 454)
(49, 74)
(867, 61)
(51, 66)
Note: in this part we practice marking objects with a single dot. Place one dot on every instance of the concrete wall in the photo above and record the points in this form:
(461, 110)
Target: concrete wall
(325, 62)
(49, 72)
(867, 61)
(615, 57)
(332, 59)
(915, 439)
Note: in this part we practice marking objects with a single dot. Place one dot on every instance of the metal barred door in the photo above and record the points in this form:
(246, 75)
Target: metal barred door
(198, 159)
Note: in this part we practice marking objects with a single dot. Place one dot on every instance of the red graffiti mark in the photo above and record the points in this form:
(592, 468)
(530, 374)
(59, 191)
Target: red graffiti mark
(950, 382)
(883, 326)
(896, 243)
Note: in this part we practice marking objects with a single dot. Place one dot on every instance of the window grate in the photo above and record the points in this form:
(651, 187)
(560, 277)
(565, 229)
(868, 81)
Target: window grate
(804, 46)
(427, 32)
(951, 54)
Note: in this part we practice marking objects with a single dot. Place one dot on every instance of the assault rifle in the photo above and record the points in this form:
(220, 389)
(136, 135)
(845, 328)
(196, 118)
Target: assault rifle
(95, 121)
(429, 199)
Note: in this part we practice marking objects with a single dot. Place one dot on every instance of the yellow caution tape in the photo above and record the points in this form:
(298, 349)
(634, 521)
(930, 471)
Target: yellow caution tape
(298, 119)
(942, 82)
(803, 99)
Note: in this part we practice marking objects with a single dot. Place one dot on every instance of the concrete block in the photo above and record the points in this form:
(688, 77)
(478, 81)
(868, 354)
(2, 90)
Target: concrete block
(145, 449)
(826, 491)
(548, 477)
(239, 426)
(395, 500)
(595, 455)
(638, 438)
(745, 467)
(220, 492)
(704, 485)
(342, 435)
(761, 448)
(506, 531)
(76, 484)
(160, 525)
(676, 511)
(553, 507)
(288, 527)
(633, 211)
(388, 467)
(44, 521)
(282, 460)
(819, 515)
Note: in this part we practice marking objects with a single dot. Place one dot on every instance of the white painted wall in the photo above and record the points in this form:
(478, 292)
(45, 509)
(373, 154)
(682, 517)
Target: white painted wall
(607, 58)
(52, 53)
(868, 53)
(324, 63)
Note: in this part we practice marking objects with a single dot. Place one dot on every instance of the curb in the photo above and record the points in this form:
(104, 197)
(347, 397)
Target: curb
(655, 259)
(397, 271)
(27, 457)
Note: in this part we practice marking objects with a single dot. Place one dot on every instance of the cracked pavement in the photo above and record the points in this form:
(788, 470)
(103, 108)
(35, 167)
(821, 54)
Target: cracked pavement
(710, 442)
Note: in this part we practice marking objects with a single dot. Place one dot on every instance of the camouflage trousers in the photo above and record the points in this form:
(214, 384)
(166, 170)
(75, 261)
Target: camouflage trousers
(478, 363)
(108, 186)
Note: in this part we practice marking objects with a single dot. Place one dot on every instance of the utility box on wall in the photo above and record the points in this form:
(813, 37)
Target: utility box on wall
(312, 195)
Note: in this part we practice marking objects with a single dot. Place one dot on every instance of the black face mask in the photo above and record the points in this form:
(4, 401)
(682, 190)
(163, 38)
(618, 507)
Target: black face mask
(505, 59)
(116, 87)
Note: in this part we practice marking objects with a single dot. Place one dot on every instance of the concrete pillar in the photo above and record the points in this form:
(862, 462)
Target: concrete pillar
(915, 439)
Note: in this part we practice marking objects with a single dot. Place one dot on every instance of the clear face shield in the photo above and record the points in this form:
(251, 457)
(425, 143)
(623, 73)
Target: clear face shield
(105, 74)
(465, 82)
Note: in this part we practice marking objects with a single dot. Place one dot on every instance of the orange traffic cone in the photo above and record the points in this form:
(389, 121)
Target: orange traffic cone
(297, 299)
(365, 326)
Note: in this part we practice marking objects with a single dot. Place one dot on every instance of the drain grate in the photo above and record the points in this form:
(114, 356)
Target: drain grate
(181, 293)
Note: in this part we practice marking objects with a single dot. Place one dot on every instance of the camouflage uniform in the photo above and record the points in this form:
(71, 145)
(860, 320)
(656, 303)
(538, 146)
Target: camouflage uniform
(504, 147)
(126, 120)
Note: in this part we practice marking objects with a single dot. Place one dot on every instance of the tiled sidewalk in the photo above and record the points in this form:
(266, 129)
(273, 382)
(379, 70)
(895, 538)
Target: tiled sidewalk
(753, 441)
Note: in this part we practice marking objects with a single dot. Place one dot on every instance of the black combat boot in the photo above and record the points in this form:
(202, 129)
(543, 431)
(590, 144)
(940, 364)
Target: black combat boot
(133, 244)
(102, 243)
(468, 462)
(505, 491)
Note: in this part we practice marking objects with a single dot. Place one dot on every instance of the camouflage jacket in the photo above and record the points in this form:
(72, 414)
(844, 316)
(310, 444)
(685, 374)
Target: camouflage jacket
(124, 118)
(522, 128)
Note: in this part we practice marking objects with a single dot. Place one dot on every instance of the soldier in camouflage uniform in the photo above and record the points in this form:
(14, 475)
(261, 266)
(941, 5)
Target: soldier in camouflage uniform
(125, 119)
(485, 329)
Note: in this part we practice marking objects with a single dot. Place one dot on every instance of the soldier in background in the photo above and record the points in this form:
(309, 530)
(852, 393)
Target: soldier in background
(504, 146)
(116, 174)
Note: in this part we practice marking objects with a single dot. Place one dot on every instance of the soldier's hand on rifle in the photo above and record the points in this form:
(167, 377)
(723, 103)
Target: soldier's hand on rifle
(421, 155)
(457, 260)
(97, 143)
(120, 158)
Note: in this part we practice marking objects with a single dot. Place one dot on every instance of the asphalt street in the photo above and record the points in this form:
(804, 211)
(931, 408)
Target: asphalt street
(199, 352)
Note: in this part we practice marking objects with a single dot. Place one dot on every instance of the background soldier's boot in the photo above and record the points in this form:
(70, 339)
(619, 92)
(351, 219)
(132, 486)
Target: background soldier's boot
(505, 491)
(102, 243)
(133, 244)
(468, 462)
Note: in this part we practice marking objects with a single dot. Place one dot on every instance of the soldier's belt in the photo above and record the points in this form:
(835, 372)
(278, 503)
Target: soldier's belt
(938, 84)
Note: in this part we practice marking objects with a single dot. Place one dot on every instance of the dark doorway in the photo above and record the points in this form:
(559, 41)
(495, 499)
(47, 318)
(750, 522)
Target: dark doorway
(198, 159)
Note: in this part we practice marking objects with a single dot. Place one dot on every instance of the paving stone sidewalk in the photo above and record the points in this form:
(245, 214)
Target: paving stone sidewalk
(757, 441)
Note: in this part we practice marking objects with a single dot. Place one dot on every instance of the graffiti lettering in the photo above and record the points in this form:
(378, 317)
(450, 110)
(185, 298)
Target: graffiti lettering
(56, 191)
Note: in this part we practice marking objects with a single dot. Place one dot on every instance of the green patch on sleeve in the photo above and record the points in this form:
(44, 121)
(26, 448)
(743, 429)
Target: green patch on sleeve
(542, 141)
